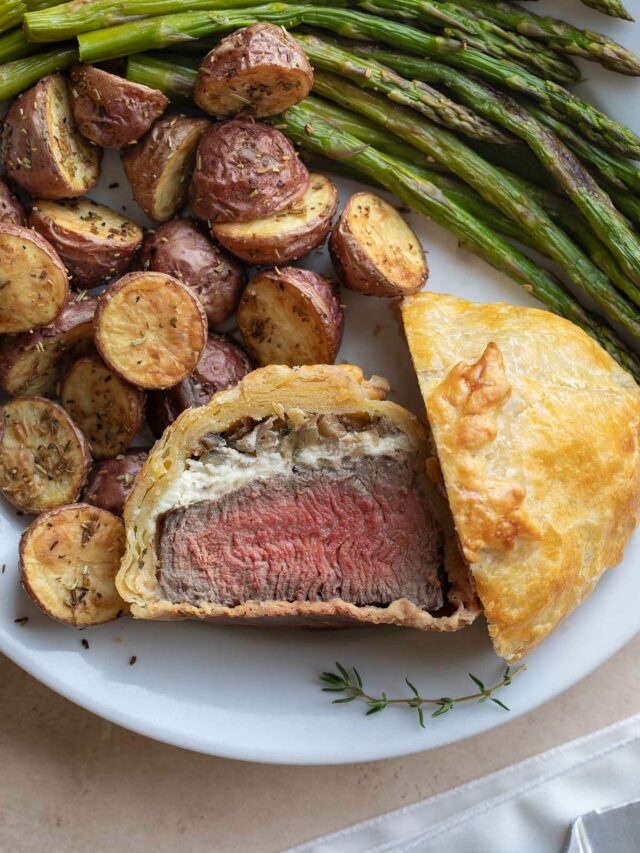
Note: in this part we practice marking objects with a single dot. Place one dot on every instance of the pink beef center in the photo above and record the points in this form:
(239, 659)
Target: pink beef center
(364, 534)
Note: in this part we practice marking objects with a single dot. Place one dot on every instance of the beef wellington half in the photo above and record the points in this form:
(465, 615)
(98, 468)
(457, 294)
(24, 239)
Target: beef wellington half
(298, 496)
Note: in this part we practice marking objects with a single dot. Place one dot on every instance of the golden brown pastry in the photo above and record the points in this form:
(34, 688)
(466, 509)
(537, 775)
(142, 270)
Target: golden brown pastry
(298, 496)
(536, 429)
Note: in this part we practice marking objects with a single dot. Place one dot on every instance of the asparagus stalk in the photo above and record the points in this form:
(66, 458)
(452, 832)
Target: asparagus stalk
(176, 81)
(313, 132)
(492, 185)
(587, 195)
(479, 33)
(14, 45)
(613, 8)
(166, 30)
(11, 12)
(18, 75)
(557, 34)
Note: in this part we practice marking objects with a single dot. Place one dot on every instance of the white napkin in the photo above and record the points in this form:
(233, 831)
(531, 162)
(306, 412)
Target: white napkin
(525, 808)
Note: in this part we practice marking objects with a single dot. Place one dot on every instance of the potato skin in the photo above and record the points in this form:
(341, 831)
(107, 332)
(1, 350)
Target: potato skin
(111, 480)
(355, 266)
(287, 235)
(69, 557)
(111, 111)
(107, 410)
(28, 265)
(315, 325)
(245, 170)
(92, 254)
(32, 363)
(159, 166)
(223, 363)
(150, 329)
(259, 70)
(29, 151)
(44, 458)
(181, 249)
(11, 209)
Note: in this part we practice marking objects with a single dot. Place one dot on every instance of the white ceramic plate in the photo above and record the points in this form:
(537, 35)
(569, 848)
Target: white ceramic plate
(253, 693)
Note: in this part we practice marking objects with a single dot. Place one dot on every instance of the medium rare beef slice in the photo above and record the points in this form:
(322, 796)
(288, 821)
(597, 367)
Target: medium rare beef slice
(364, 534)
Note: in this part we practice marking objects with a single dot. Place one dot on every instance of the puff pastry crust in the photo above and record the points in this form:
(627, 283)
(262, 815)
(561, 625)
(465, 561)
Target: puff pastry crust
(338, 390)
(537, 433)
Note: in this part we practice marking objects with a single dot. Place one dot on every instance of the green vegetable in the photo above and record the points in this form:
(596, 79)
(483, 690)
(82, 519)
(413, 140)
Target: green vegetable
(614, 8)
(20, 74)
(14, 45)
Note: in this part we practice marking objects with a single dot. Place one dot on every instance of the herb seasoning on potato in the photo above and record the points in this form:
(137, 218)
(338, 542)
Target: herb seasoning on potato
(150, 329)
(111, 480)
(33, 362)
(68, 561)
(159, 166)
(44, 458)
(374, 251)
(95, 242)
(11, 209)
(223, 363)
(287, 235)
(33, 281)
(258, 70)
(291, 316)
(111, 111)
(107, 410)
(245, 170)
(180, 248)
(43, 153)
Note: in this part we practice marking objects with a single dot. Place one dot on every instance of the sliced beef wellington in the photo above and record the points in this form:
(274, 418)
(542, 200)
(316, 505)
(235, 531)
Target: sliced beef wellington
(296, 496)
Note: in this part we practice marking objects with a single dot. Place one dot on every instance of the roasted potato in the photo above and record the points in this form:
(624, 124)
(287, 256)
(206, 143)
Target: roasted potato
(374, 251)
(259, 70)
(107, 410)
(223, 363)
(150, 329)
(68, 562)
(111, 480)
(111, 111)
(291, 316)
(33, 281)
(44, 458)
(181, 249)
(33, 363)
(287, 235)
(94, 242)
(43, 153)
(11, 209)
(159, 166)
(245, 170)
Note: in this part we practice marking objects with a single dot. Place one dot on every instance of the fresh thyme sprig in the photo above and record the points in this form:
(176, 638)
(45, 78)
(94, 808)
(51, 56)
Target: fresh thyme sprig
(343, 681)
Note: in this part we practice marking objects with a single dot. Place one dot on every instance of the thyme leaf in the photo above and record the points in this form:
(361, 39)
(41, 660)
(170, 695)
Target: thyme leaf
(348, 680)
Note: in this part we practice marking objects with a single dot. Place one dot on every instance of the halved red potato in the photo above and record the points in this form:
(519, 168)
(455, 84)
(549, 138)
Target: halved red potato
(42, 150)
(159, 166)
(68, 562)
(33, 281)
(258, 70)
(150, 329)
(94, 242)
(33, 363)
(44, 458)
(111, 111)
(11, 209)
(180, 248)
(374, 251)
(107, 410)
(291, 316)
(245, 170)
(287, 235)
(111, 480)
(223, 363)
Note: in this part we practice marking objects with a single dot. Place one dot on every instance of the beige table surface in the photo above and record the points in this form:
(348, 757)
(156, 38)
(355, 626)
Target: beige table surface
(72, 783)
